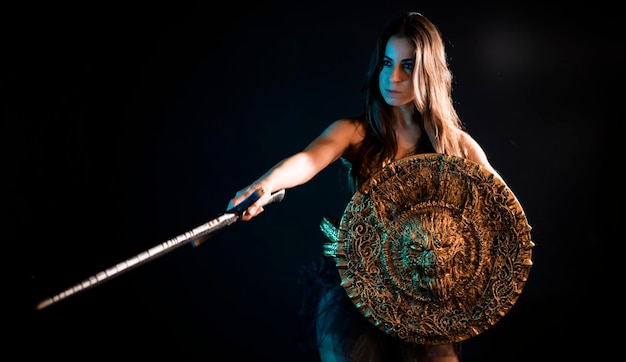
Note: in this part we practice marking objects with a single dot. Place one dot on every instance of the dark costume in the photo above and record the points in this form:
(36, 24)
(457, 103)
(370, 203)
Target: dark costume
(329, 318)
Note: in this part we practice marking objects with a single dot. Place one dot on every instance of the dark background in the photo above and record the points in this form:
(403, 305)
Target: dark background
(127, 124)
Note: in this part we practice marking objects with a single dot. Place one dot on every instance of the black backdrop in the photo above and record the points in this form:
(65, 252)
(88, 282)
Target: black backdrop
(126, 124)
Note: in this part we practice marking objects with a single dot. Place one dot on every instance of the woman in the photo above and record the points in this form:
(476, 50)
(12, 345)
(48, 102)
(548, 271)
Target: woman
(408, 109)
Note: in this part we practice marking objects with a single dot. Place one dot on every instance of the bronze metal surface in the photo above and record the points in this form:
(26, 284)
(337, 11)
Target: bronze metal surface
(434, 249)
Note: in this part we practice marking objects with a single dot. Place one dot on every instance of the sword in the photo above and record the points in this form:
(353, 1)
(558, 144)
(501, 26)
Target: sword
(196, 236)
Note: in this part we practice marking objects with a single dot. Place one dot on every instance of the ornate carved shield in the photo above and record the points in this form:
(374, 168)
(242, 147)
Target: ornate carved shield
(434, 249)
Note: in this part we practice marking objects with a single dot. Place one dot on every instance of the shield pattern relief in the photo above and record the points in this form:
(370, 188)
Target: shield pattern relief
(434, 249)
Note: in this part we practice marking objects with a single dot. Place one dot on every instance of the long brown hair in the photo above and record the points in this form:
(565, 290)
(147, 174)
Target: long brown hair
(432, 84)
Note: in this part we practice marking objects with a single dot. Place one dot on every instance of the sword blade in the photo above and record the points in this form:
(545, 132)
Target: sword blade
(199, 232)
(196, 235)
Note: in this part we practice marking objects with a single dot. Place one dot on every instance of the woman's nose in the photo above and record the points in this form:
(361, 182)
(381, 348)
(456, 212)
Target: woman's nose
(398, 74)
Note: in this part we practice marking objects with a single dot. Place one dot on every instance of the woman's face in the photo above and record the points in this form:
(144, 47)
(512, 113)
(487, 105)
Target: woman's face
(396, 76)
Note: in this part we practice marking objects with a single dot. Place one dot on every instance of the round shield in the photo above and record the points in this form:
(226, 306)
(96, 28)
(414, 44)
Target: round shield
(434, 249)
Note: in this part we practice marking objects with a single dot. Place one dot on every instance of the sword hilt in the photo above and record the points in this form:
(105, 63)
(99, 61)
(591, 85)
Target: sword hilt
(239, 209)
(245, 204)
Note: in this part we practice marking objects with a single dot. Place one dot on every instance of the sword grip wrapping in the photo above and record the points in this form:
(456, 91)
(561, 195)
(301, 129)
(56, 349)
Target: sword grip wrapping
(245, 204)
(277, 196)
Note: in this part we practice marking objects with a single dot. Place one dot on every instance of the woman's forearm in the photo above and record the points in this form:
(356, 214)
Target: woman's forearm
(290, 172)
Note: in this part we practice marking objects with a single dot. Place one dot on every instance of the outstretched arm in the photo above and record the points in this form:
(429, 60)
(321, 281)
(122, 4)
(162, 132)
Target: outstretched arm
(301, 167)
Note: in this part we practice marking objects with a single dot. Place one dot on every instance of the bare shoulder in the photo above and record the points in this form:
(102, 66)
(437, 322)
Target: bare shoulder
(473, 151)
(348, 123)
(348, 128)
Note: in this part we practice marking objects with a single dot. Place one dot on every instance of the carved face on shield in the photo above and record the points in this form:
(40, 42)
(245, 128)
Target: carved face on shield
(429, 256)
